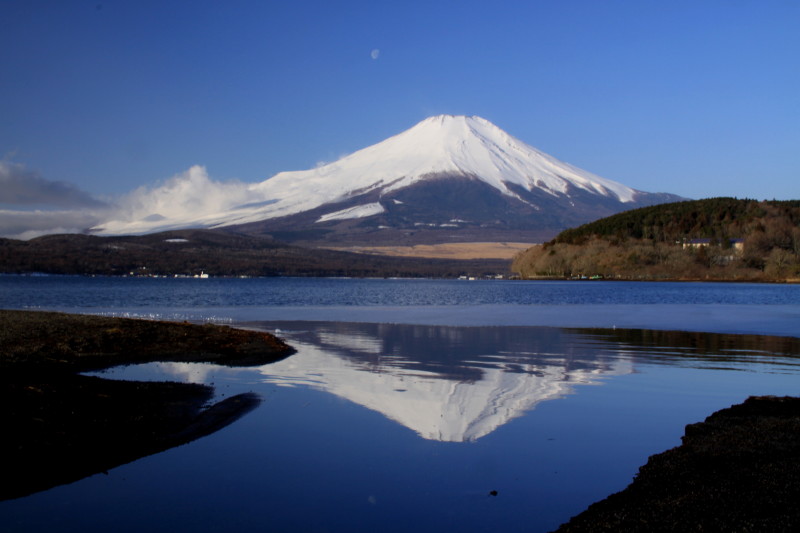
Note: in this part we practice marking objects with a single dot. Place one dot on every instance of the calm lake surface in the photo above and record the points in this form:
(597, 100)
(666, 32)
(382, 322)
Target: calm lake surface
(409, 402)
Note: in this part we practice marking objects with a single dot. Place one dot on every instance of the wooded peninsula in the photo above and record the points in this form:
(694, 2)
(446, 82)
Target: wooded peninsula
(723, 239)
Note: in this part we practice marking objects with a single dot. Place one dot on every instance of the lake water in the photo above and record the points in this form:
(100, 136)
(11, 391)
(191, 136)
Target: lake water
(424, 405)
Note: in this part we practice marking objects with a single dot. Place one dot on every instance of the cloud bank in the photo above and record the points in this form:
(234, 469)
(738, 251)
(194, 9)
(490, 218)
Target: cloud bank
(26, 225)
(22, 187)
(31, 206)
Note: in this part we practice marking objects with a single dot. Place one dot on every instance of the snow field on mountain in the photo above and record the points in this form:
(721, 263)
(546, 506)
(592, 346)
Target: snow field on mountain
(359, 211)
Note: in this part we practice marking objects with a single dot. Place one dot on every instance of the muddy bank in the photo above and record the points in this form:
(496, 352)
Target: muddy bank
(60, 426)
(739, 470)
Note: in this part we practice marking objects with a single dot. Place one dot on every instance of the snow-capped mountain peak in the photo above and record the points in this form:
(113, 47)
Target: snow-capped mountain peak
(444, 144)
(475, 146)
(465, 148)
(437, 146)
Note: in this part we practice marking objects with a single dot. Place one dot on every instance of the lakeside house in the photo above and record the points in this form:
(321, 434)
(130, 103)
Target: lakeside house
(735, 244)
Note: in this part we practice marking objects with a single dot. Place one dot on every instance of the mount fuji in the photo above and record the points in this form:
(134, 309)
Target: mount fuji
(446, 179)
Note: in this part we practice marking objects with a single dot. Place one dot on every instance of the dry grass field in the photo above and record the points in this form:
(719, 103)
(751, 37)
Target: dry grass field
(461, 250)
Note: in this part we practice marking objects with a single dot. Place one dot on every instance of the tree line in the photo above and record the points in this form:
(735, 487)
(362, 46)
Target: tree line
(217, 253)
(716, 238)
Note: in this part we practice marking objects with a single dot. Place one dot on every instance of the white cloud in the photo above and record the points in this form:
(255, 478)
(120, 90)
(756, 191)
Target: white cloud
(182, 199)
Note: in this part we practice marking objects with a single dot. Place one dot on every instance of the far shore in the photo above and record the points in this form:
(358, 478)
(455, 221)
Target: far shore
(456, 250)
(669, 280)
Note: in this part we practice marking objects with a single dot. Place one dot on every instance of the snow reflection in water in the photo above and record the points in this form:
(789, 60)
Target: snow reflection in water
(457, 384)
(337, 445)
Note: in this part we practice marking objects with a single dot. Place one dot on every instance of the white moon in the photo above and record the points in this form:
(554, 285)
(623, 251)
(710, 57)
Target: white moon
(375, 53)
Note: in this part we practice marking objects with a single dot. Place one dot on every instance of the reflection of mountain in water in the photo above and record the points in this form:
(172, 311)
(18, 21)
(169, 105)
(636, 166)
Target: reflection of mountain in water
(445, 383)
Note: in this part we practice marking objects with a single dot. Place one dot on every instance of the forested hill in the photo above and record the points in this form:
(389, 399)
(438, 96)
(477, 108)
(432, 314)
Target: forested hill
(714, 218)
(716, 238)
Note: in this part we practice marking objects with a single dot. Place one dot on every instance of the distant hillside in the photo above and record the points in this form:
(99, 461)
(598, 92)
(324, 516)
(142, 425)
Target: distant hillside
(217, 253)
(717, 238)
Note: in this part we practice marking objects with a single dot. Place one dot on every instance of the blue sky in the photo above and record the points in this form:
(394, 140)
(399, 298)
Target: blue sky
(697, 98)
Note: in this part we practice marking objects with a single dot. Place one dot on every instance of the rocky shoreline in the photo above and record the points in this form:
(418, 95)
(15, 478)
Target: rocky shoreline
(60, 426)
(739, 470)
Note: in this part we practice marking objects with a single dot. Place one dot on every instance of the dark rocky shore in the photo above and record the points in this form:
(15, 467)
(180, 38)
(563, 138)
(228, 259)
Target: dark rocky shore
(59, 426)
(60, 342)
(738, 471)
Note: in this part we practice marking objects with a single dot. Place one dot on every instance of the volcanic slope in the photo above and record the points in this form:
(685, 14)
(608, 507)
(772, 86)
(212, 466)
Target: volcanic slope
(447, 179)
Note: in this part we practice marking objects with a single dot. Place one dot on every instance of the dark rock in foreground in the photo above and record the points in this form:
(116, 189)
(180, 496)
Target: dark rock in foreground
(739, 470)
(59, 426)
(59, 342)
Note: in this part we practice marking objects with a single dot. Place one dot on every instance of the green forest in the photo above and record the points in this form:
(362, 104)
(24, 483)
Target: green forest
(714, 239)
